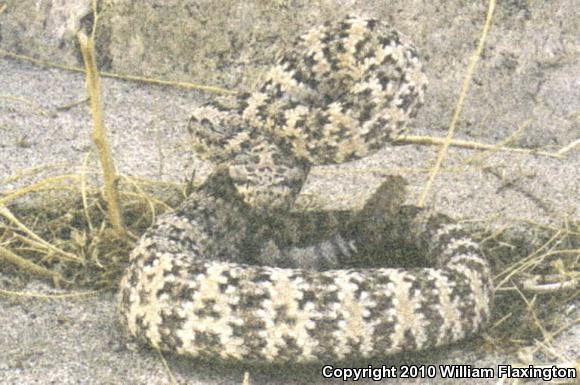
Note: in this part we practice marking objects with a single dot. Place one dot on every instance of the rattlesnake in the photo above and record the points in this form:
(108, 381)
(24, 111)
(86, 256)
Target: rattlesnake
(197, 284)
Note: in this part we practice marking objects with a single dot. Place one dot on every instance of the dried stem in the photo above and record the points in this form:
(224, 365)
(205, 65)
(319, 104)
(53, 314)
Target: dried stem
(99, 135)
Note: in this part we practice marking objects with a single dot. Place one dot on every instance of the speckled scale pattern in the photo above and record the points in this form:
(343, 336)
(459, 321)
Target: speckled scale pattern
(193, 286)
(341, 93)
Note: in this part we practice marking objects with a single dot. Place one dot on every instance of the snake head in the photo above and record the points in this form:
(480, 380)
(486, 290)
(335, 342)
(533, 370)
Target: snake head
(217, 133)
(265, 176)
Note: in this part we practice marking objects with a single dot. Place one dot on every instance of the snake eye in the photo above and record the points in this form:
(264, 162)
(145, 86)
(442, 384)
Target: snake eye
(216, 128)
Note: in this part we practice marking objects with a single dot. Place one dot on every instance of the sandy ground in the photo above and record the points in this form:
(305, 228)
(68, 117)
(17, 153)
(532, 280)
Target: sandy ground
(75, 341)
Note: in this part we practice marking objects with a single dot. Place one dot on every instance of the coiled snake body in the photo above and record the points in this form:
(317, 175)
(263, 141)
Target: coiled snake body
(197, 285)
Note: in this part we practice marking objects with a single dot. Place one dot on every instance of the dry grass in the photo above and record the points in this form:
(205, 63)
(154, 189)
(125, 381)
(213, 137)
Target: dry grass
(110, 177)
(74, 245)
(70, 239)
(537, 282)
